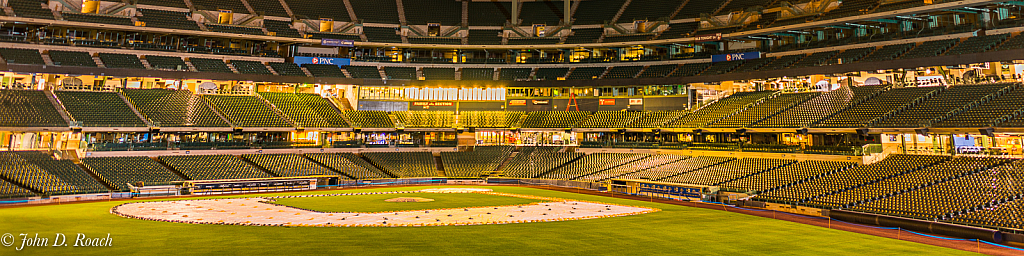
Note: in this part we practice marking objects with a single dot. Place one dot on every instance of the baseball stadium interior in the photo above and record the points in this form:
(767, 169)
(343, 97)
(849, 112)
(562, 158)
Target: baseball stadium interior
(902, 113)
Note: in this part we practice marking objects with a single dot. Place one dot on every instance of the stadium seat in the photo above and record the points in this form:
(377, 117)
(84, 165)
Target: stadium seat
(554, 119)
(405, 164)
(99, 109)
(286, 69)
(370, 119)
(20, 108)
(728, 171)
(922, 113)
(820, 107)
(858, 115)
(121, 171)
(348, 164)
(289, 165)
(488, 119)
(172, 108)
(167, 19)
(250, 67)
(474, 164)
(717, 110)
(592, 163)
(213, 167)
(246, 111)
(425, 119)
(22, 56)
(68, 58)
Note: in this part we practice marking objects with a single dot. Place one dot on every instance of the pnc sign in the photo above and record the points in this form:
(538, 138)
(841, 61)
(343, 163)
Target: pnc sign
(322, 60)
(735, 56)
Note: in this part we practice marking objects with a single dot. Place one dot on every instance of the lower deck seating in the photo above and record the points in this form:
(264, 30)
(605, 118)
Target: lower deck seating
(289, 165)
(213, 167)
(349, 164)
(474, 164)
(591, 164)
(991, 198)
(533, 161)
(17, 169)
(978, 191)
(728, 171)
(121, 171)
(843, 180)
(786, 175)
(648, 163)
(907, 180)
(64, 169)
(8, 190)
(405, 164)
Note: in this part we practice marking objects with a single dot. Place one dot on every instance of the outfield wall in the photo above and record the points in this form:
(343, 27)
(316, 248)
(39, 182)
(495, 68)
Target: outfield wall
(939, 228)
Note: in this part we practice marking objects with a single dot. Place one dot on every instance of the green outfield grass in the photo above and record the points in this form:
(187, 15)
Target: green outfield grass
(676, 230)
(376, 203)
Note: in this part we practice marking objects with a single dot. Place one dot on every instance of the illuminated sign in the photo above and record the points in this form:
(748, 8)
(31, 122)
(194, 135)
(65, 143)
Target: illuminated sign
(735, 56)
(337, 42)
(517, 102)
(321, 60)
(541, 102)
(606, 102)
(708, 38)
(424, 103)
(636, 101)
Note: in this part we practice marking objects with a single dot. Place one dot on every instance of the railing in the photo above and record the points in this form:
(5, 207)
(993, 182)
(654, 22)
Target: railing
(738, 147)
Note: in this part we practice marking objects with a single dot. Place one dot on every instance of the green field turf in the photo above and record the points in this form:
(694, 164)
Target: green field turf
(676, 230)
(376, 203)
